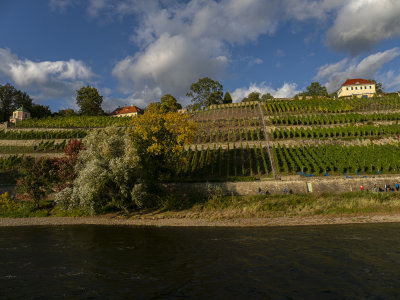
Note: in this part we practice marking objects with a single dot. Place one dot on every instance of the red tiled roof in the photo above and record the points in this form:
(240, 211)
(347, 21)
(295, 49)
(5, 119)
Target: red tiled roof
(127, 110)
(356, 81)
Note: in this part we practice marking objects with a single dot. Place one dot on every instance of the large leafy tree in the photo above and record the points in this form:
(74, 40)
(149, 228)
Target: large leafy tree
(266, 97)
(205, 92)
(253, 96)
(11, 99)
(7, 93)
(315, 89)
(169, 103)
(37, 178)
(89, 101)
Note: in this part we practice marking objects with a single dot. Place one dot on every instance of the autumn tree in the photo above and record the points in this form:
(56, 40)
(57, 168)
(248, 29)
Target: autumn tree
(205, 92)
(227, 98)
(89, 101)
(159, 139)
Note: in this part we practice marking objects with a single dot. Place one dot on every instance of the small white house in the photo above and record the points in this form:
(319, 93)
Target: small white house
(20, 114)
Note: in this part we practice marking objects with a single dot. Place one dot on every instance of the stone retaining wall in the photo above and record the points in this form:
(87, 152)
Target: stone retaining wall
(317, 185)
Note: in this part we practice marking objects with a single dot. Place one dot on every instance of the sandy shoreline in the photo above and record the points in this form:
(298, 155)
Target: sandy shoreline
(187, 222)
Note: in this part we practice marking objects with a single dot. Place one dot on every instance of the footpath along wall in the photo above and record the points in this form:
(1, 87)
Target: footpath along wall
(301, 185)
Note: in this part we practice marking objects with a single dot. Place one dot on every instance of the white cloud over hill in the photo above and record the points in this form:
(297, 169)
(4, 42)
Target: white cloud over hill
(45, 79)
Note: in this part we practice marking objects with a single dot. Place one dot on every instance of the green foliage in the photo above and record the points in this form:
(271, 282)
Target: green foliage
(41, 134)
(36, 179)
(266, 97)
(206, 92)
(74, 122)
(378, 86)
(336, 159)
(227, 98)
(10, 162)
(315, 89)
(107, 172)
(89, 101)
(169, 104)
(253, 96)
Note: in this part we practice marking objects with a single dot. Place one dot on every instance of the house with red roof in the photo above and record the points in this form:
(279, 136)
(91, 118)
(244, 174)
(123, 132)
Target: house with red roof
(127, 111)
(359, 87)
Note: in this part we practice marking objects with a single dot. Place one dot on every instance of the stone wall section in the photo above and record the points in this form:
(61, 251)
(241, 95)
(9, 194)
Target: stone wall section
(318, 185)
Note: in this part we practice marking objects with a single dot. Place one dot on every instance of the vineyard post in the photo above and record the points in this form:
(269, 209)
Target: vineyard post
(270, 156)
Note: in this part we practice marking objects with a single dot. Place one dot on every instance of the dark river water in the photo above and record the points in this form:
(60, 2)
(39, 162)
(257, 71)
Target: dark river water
(321, 262)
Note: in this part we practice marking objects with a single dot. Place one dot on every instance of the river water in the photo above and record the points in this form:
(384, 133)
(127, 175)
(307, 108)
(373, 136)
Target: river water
(310, 262)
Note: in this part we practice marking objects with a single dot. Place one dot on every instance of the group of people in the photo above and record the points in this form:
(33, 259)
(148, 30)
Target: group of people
(387, 188)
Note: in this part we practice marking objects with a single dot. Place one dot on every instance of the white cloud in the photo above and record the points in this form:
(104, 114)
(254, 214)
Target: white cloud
(183, 43)
(360, 24)
(46, 79)
(335, 74)
(287, 90)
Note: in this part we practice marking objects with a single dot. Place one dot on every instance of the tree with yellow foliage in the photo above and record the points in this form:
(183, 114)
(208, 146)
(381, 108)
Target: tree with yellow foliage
(159, 139)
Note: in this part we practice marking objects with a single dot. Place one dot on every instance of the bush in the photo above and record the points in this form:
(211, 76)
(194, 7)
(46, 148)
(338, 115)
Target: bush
(107, 172)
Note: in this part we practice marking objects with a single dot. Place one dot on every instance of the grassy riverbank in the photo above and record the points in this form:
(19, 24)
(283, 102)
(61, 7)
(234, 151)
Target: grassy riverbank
(233, 207)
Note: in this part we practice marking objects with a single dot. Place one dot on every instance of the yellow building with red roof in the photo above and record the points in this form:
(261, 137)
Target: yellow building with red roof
(127, 111)
(359, 87)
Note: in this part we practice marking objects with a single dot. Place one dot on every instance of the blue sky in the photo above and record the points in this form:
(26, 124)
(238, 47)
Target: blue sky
(133, 52)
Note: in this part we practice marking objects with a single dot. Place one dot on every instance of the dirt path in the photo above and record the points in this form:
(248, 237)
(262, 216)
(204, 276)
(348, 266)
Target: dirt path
(161, 221)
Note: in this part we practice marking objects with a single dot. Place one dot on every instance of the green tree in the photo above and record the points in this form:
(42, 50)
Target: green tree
(89, 101)
(253, 96)
(315, 89)
(378, 86)
(206, 92)
(227, 98)
(37, 178)
(7, 93)
(266, 97)
(169, 103)
(39, 111)
(66, 112)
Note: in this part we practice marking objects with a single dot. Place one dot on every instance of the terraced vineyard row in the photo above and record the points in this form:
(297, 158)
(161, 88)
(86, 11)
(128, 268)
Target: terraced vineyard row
(228, 123)
(74, 122)
(39, 134)
(224, 163)
(230, 135)
(335, 132)
(329, 105)
(43, 147)
(333, 159)
(333, 119)
(10, 162)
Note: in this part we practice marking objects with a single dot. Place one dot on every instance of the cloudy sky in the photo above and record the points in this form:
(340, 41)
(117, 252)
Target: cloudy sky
(134, 51)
